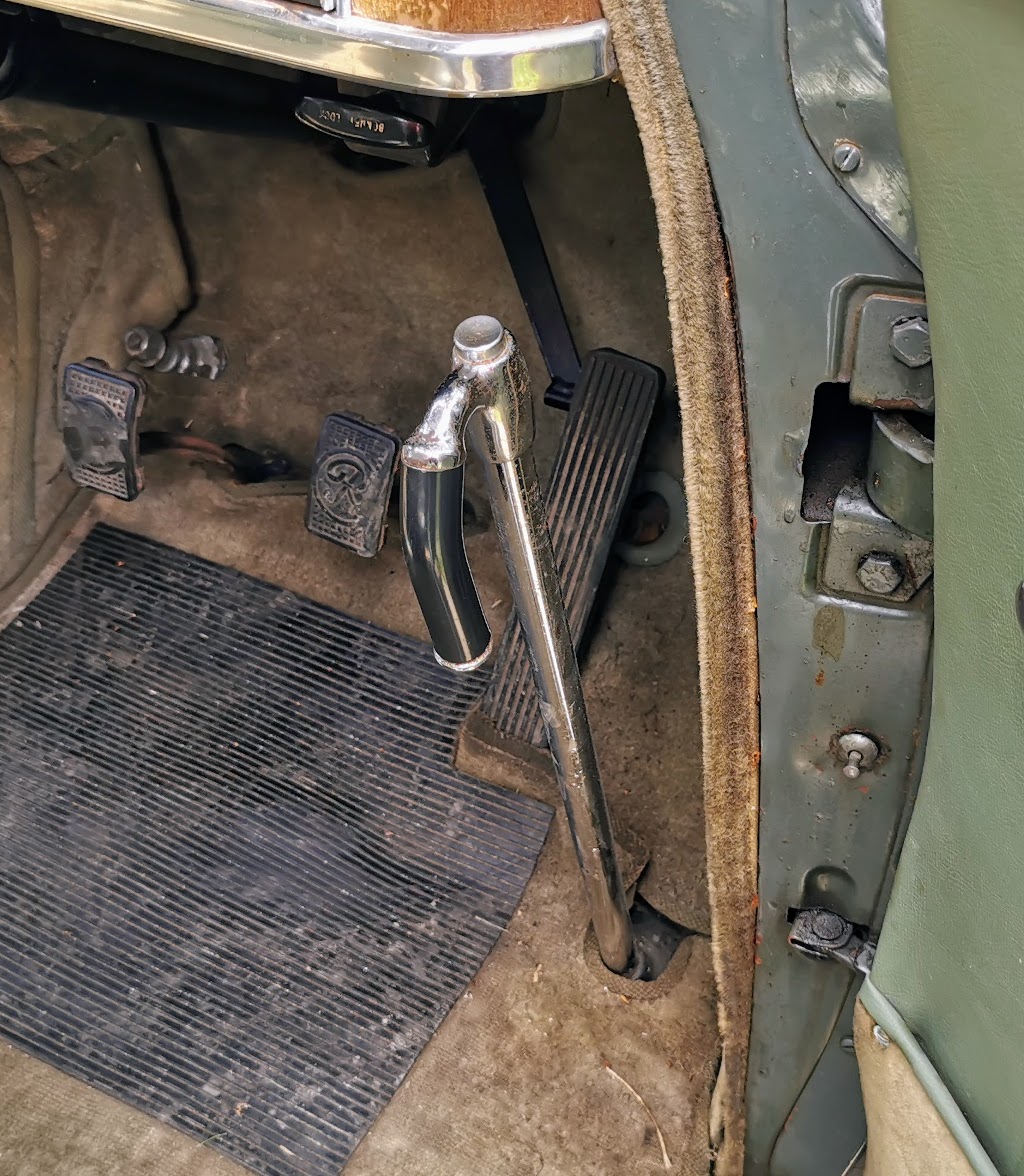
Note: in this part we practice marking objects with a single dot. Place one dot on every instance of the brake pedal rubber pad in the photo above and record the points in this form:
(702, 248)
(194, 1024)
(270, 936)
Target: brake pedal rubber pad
(99, 418)
(350, 485)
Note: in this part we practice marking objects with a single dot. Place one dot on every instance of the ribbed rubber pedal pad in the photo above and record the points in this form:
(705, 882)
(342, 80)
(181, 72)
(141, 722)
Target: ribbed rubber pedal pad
(608, 419)
(350, 485)
(99, 418)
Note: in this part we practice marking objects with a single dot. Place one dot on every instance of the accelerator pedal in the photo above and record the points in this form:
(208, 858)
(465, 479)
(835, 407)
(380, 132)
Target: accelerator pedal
(604, 433)
(350, 484)
(99, 418)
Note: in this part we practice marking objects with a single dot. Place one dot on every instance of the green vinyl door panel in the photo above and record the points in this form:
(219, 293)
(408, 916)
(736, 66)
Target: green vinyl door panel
(951, 955)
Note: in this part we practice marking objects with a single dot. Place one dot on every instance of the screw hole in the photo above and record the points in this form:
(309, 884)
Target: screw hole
(654, 525)
(647, 518)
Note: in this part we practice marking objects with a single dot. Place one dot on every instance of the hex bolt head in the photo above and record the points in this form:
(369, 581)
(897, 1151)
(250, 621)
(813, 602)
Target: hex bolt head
(880, 573)
(846, 156)
(911, 342)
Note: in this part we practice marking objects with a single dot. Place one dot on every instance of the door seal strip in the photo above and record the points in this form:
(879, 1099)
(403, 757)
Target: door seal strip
(886, 1015)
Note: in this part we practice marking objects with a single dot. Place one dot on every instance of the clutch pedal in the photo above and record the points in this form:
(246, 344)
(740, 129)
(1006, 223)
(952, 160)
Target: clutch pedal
(350, 485)
(609, 415)
(99, 418)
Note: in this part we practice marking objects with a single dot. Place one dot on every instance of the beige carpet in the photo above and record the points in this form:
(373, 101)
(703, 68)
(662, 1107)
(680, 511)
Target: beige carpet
(338, 291)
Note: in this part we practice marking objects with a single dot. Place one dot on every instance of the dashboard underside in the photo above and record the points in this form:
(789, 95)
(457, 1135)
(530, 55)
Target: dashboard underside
(482, 57)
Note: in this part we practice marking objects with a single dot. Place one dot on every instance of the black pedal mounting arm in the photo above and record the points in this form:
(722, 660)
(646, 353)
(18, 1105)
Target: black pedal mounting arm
(495, 163)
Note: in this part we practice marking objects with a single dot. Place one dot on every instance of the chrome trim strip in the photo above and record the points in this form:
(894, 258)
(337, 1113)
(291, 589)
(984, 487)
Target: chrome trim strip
(347, 46)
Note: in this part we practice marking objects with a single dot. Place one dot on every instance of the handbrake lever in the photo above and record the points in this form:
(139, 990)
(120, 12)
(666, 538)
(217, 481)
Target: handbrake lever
(487, 398)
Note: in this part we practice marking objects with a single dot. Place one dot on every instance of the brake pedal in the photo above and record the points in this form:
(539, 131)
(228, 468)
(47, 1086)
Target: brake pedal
(350, 485)
(99, 418)
(609, 415)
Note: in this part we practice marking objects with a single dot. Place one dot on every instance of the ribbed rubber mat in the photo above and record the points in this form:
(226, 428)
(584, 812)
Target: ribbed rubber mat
(608, 419)
(240, 883)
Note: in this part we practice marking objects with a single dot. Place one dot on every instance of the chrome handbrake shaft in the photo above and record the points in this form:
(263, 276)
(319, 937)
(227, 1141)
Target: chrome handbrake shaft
(487, 400)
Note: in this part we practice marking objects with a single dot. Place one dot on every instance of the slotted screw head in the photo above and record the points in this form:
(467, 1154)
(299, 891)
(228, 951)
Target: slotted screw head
(846, 156)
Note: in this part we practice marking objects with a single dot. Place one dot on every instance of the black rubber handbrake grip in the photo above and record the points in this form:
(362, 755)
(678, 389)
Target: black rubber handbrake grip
(435, 553)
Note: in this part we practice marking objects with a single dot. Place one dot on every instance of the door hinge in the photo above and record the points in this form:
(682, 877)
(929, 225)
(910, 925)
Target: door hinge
(825, 935)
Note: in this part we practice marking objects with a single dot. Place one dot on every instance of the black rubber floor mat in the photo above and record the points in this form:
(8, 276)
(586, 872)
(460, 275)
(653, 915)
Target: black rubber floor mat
(240, 884)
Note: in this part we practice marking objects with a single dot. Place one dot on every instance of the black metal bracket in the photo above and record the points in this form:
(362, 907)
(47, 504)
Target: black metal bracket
(492, 154)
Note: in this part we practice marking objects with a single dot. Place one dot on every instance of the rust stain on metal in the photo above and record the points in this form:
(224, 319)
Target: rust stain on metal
(899, 404)
(830, 631)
